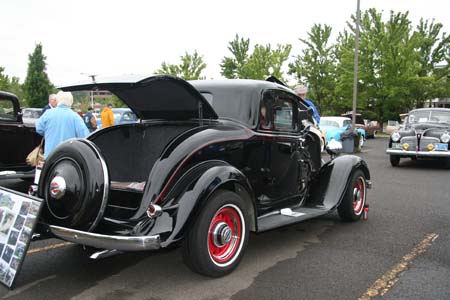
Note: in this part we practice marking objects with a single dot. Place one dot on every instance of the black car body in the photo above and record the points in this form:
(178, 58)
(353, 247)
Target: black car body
(199, 169)
(425, 134)
(18, 139)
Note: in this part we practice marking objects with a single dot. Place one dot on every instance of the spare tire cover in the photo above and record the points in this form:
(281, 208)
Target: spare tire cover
(74, 184)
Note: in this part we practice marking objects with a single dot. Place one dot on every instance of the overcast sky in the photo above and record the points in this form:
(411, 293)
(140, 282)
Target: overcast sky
(111, 38)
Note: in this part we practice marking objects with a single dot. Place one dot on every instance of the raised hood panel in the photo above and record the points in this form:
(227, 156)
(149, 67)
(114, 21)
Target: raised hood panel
(155, 97)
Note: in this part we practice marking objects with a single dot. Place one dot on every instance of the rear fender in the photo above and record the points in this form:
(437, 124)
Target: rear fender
(200, 188)
(329, 188)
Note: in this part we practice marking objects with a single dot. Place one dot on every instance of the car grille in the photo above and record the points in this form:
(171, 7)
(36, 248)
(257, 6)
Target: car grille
(411, 141)
(424, 141)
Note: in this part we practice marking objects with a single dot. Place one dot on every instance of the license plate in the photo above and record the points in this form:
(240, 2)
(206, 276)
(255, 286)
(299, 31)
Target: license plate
(441, 147)
(396, 145)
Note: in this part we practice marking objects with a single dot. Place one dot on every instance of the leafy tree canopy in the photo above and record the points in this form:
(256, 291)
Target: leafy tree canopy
(260, 64)
(37, 85)
(190, 68)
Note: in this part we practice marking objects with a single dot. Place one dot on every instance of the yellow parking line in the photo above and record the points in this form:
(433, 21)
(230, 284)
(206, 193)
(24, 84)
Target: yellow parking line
(387, 281)
(54, 246)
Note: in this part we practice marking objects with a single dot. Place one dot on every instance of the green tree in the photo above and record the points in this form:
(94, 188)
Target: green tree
(434, 62)
(260, 64)
(11, 85)
(235, 66)
(37, 85)
(4, 80)
(190, 68)
(316, 65)
(387, 61)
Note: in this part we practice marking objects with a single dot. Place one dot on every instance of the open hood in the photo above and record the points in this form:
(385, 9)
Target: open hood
(155, 97)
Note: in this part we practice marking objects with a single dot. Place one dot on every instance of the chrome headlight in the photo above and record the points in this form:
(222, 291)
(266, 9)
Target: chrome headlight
(445, 137)
(395, 136)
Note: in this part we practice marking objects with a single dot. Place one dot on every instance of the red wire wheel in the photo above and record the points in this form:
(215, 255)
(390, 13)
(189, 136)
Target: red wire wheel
(359, 195)
(352, 205)
(225, 235)
(217, 240)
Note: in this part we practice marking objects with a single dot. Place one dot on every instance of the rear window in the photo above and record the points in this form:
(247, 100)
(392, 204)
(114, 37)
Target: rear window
(7, 110)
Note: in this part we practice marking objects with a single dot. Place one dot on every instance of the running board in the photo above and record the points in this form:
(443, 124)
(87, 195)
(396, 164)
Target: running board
(287, 216)
(17, 174)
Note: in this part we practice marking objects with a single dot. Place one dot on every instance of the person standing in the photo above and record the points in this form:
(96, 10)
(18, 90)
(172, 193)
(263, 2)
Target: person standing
(89, 120)
(51, 103)
(302, 91)
(60, 124)
(107, 116)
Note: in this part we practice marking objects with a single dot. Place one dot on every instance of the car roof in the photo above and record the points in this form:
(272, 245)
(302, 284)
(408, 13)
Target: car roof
(31, 108)
(335, 118)
(237, 99)
(431, 108)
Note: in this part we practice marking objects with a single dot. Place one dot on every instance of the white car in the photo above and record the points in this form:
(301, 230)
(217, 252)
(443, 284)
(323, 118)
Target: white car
(30, 116)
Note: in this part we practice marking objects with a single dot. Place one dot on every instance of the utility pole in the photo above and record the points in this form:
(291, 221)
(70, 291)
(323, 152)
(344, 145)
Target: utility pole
(355, 68)
(91, 92)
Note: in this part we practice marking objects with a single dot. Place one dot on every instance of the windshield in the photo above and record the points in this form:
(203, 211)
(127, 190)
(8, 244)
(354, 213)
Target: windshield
(429, 116)
(328, 123)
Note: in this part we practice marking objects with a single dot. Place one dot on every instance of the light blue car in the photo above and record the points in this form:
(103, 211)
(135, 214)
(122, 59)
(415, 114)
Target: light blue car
(335, 126)
(121, 116)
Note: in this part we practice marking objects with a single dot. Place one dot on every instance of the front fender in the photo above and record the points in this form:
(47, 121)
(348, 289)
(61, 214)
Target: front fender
(329, 188)
(196, 192)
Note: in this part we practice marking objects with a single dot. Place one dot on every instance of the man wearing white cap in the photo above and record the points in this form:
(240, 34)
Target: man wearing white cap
(301, 91)
(60, 124)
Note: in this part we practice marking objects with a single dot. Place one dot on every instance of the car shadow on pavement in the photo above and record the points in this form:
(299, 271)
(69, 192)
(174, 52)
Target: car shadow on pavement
(423, 164)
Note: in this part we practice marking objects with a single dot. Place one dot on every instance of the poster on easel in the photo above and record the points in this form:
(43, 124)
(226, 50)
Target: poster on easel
(18, 218)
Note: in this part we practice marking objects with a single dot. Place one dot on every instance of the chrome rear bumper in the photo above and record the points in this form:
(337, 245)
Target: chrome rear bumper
(418, 153)
(121, 243)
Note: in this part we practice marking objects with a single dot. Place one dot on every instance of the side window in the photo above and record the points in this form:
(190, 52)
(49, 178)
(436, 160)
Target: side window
(278, 111)
(283, 115)
(7, 110)
(127, 117)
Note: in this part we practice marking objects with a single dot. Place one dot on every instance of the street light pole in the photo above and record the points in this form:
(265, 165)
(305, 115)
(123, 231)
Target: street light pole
(92, 92)
(355, 68)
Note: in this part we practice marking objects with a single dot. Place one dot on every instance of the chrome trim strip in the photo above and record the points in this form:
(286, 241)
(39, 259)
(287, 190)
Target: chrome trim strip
(102, 209)
(112, 242)
(418, 153)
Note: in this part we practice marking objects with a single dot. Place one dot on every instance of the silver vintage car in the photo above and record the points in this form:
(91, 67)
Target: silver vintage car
(426, 134)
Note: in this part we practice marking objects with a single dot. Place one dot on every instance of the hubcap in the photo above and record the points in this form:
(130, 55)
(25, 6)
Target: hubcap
(57, 187)
(225, 235)
(359, 195)
(222, 234)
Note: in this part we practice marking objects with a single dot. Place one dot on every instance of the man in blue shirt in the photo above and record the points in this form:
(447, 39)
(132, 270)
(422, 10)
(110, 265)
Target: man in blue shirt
(301, 91)
(60, 124)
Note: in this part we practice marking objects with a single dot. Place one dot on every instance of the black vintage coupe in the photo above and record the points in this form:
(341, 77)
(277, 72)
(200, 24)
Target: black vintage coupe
(18, 139)
(426, 134)
(209, 162)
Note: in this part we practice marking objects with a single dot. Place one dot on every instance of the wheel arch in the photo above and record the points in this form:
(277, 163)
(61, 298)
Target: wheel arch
(330, 186)
(218, 176)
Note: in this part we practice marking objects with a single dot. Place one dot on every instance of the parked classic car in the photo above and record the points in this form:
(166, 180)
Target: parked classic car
(30, 116)
(121, 116)
(426, 134)
(199, 169)
(17, 139)
(392, 126)
(334, 127)
(370, 127)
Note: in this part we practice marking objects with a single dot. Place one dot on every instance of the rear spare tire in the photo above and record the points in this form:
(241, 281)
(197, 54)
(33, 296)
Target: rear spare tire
(74, 184)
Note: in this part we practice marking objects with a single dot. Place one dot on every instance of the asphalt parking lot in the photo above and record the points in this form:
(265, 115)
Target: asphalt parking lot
(401, 252)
